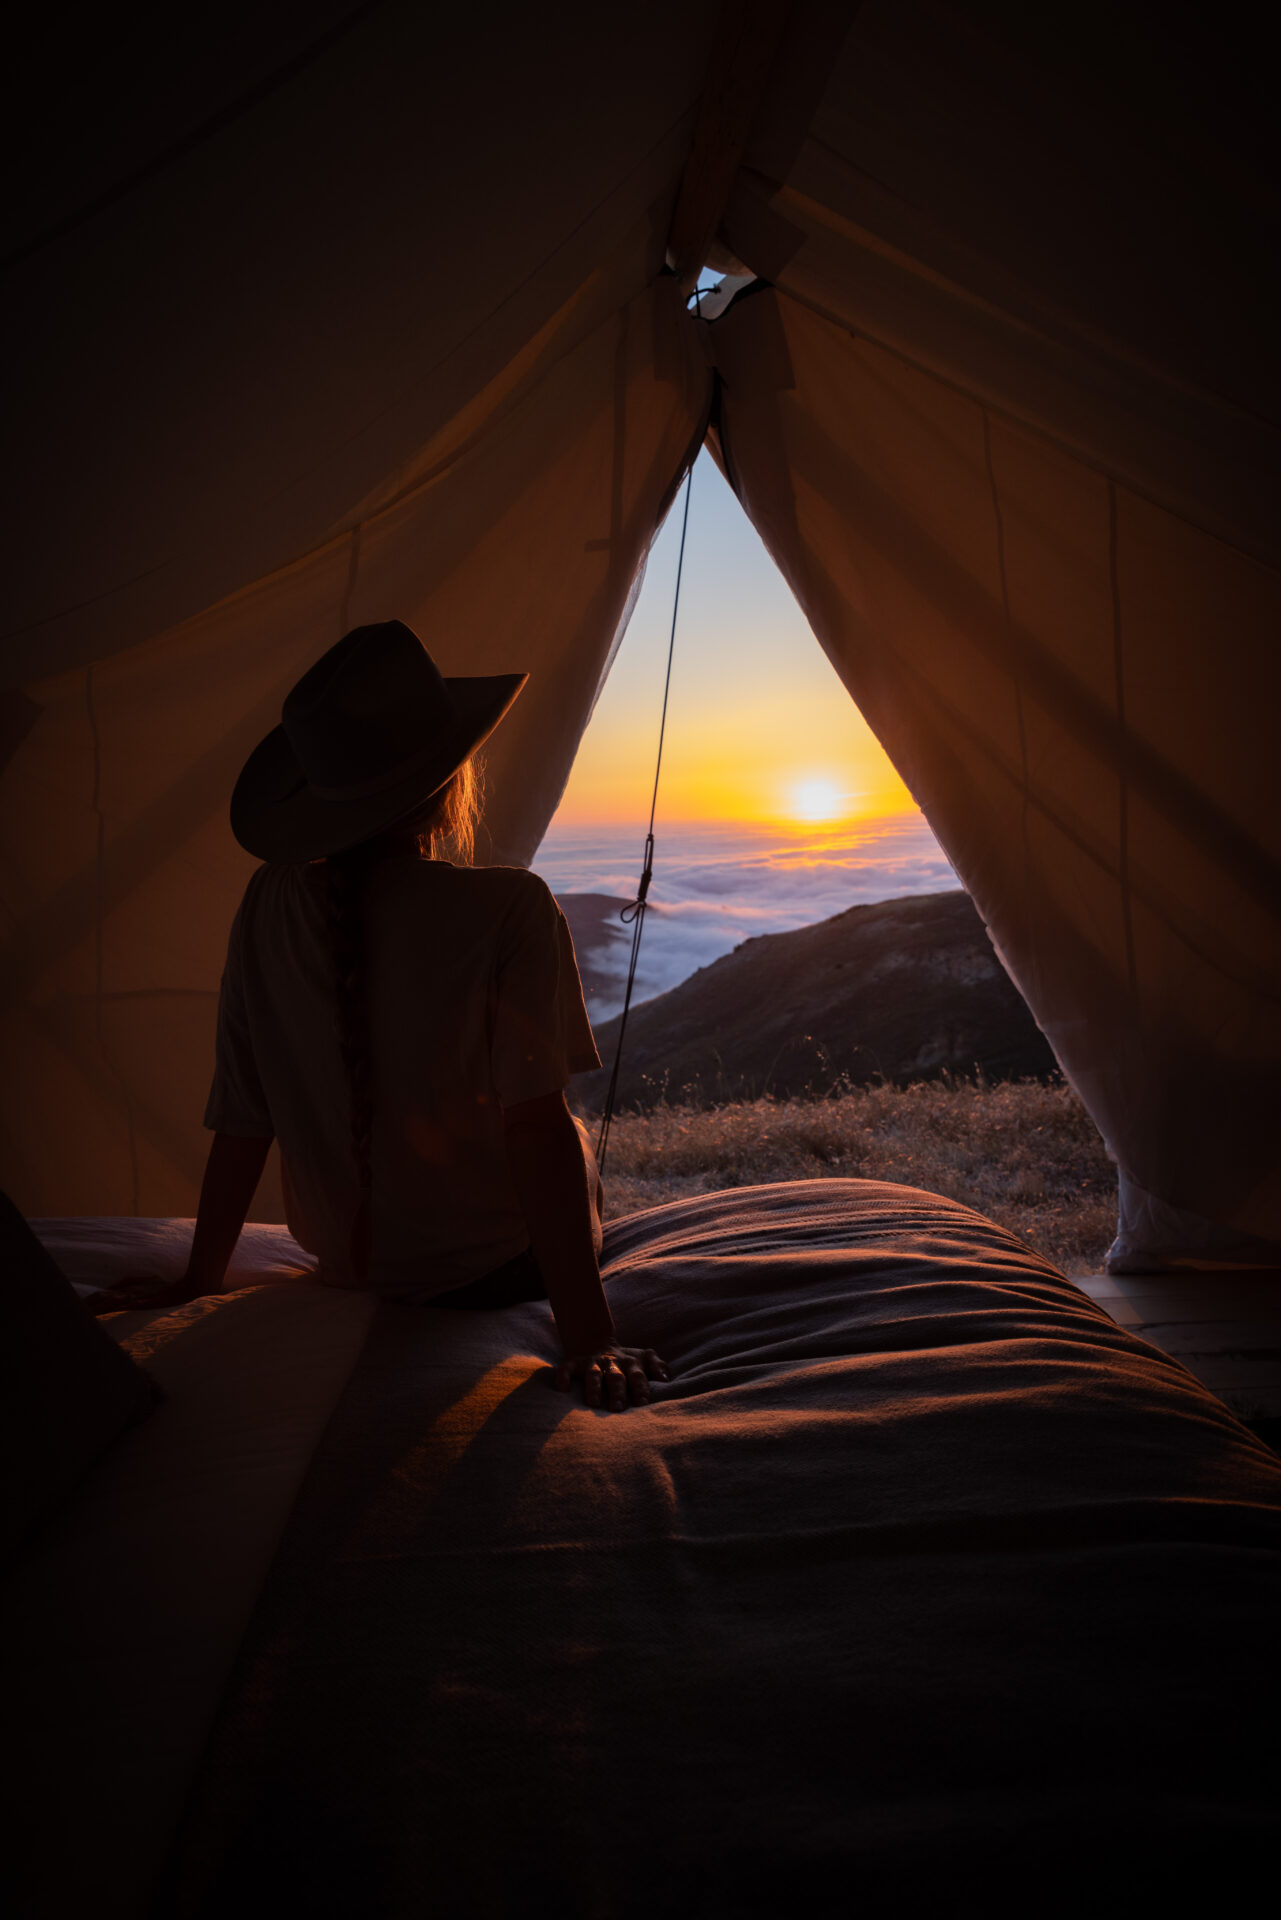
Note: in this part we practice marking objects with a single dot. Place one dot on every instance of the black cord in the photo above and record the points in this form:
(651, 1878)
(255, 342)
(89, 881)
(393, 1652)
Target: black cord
(633, 914)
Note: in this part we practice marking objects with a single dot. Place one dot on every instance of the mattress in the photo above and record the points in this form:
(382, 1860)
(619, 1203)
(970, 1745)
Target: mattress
(920, 1577)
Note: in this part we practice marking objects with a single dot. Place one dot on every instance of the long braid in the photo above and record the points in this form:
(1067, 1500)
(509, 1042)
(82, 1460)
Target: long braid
(348, 875)
(448, 822)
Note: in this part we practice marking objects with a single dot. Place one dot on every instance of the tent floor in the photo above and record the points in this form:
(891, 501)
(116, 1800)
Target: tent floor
(1223, 1327)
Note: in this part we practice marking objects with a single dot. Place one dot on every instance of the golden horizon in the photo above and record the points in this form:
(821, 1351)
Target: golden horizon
(776, 818)
(748, 760)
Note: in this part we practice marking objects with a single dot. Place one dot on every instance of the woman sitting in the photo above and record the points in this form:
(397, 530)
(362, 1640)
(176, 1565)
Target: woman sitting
(403, 1023)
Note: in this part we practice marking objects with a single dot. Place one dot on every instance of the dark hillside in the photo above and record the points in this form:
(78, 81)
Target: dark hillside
(903, 990)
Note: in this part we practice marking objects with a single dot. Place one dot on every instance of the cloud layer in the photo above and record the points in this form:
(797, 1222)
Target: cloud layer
(715, 886)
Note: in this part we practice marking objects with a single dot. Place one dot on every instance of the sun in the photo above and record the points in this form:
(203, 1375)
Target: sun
(817, 799)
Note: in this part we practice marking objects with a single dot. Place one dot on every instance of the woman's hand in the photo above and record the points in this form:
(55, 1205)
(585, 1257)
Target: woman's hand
(614, 1376)
(232, 1173)
(140, 1292)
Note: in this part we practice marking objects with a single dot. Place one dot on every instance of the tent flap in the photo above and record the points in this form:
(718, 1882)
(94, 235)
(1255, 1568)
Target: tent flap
(1078, 688)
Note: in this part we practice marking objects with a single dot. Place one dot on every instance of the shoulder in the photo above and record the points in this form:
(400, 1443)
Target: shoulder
(527, 897)
(258, 888)
(516, 906)
(269, 887)
(274, 895)
(477, 903)
(500, 890)
(519, 884)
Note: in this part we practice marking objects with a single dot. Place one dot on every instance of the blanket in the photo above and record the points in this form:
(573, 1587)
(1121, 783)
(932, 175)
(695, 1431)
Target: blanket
(921, 1581)
(97, 1251)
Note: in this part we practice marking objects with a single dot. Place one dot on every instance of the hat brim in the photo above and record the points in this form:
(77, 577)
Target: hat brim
(278, 816)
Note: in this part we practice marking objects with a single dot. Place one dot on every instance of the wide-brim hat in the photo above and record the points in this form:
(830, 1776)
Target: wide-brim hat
(367, 736)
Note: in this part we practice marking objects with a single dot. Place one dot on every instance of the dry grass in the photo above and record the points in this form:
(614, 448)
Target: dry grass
(1024, 1153)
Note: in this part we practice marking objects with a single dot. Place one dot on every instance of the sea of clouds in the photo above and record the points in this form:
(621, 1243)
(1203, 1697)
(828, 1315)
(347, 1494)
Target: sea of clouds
(715, 886)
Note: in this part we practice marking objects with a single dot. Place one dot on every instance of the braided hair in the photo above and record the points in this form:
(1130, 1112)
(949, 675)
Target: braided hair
(445, 829)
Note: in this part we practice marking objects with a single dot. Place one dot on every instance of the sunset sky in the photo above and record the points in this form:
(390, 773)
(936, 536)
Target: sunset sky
(777, 807)
(759, 728)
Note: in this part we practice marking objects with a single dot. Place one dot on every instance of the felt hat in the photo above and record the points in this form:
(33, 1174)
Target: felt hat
(367, 736)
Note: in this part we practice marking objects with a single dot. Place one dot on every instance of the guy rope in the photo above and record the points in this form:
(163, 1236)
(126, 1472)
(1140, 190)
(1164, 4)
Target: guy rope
(633, 915)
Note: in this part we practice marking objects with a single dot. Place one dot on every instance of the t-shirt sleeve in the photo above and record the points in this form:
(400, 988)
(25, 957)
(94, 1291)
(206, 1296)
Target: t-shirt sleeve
(237, 1103)
(541, 1034)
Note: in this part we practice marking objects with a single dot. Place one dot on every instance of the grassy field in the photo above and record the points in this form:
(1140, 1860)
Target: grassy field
(1024, 1153)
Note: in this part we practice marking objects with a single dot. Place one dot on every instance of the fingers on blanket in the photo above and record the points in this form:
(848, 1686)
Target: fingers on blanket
(613, 1378)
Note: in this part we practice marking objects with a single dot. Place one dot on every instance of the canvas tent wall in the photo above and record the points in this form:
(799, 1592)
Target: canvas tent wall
(344, 315)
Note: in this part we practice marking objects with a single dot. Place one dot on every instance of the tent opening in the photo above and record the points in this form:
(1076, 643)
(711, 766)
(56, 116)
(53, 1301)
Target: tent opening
(882, 1022)
(777, 806)
(778, 809)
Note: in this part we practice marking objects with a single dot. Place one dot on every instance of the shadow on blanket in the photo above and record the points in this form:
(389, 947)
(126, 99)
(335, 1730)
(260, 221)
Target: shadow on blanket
(922, 1580)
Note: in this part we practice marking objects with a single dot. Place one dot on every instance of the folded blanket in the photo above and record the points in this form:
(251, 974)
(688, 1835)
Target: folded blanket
(921, 1580)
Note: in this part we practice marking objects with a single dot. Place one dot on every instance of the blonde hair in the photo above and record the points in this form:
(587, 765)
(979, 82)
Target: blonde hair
(448, 830)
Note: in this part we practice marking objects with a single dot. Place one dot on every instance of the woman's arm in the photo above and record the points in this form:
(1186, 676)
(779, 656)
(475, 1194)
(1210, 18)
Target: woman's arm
(232, 1173)
(550, 1174)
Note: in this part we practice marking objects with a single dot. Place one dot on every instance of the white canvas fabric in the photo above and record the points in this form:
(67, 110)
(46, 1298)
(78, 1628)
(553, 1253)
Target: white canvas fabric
(1068, 677)
(336, 329)
(1154, 1237)
(1009, 427)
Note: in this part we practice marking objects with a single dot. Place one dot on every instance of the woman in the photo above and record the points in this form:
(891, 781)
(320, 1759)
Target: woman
(403, 1025)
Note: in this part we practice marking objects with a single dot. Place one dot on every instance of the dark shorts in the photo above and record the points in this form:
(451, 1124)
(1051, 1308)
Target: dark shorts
(507, 1286)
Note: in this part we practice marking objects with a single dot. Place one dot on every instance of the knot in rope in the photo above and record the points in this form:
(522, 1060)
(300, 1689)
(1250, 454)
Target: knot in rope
(635, 909)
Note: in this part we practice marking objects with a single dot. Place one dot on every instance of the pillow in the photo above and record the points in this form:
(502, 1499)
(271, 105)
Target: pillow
(67, 1391)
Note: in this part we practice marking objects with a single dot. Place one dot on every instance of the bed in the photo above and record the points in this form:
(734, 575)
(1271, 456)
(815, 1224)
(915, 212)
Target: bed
(922, 1581)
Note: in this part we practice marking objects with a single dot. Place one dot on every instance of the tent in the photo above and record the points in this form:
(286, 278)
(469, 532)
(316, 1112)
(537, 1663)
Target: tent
(323, 315)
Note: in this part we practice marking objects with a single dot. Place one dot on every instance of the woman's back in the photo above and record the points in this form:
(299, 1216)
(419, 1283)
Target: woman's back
(471, 1002)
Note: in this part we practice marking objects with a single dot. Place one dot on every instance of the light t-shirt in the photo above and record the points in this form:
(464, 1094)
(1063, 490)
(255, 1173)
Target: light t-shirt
(474, 1003)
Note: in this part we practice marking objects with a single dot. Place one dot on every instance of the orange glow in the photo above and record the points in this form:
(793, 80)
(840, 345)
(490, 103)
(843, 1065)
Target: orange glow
(745, 761)
(816, 799)
(422, 1473)
(758, 715)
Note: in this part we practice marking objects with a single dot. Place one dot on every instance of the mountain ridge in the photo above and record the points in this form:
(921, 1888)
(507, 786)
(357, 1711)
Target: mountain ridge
(899, 990)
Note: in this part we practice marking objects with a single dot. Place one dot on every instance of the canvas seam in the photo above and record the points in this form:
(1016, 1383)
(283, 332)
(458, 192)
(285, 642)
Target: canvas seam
(99, 939)
(1122, 771)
